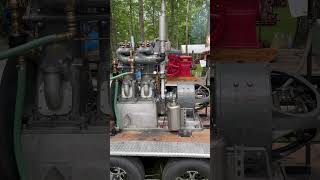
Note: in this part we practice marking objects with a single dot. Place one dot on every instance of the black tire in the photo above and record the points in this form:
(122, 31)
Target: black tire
(131, 166)
(179, 167)
(138, 163)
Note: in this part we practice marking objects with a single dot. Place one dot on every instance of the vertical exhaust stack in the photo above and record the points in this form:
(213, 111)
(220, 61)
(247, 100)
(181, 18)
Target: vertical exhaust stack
(163, 28)
(163, 39)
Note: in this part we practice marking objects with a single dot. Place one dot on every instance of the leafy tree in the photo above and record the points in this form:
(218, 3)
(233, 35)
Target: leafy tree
(126, 20)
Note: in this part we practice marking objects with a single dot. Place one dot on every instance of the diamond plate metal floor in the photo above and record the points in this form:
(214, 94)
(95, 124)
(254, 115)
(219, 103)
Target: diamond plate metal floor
(159, 149)
(156, 143)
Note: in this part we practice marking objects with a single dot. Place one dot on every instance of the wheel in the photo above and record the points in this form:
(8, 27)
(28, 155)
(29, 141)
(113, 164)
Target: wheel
(186, 169)
(126, 169)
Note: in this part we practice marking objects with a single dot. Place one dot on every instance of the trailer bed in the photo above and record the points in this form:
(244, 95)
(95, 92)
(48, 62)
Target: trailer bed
(160, 144)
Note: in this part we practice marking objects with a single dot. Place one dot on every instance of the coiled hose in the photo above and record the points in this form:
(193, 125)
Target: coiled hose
(18, 114)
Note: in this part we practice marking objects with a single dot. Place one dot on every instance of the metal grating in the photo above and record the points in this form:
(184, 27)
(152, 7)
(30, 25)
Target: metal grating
(159, 149)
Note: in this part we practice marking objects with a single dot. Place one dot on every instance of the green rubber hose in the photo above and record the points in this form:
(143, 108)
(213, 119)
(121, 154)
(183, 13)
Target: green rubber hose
(116, 89)
(120, 75)
(18, 121)
(18, 50)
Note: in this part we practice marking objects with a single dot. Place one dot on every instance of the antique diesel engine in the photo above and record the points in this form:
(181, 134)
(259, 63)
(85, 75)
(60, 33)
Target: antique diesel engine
(145, 98)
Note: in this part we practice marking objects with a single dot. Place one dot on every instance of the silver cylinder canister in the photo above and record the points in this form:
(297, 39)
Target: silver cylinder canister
(174, 116)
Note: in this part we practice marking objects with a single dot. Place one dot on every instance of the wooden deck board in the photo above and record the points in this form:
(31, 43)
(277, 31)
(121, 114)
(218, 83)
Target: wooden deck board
(164, 136)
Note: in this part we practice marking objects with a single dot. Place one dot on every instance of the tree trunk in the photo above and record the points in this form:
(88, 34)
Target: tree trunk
(176, 26)
(141, 20)
(187, 25)
(172, 21)
(113, 37)
(153, 21)
(131, 19)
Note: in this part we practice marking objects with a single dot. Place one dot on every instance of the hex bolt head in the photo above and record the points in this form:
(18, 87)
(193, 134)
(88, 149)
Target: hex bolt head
(249, 84)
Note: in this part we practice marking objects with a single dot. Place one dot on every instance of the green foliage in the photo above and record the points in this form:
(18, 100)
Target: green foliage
(176, 18)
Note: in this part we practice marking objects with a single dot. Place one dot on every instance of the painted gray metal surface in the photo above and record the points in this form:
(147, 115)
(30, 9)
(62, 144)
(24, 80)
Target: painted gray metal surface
(243, 103)
(185, 93)
(71, 156)
(139, 114)
(66, 104)
(159, 149)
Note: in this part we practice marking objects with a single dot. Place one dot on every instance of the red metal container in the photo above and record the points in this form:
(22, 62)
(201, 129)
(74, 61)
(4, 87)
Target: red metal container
(185, 66)
(179, 66)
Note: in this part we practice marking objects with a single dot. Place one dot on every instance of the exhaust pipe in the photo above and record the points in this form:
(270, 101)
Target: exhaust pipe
(163, 28)
(52, 87)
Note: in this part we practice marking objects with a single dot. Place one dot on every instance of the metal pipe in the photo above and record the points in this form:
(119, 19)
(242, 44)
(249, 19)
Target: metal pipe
(132, 62)
(123, 55)
(70, 16)
(14, 16)
(150, 59)
(104, 65)
(143, 56)
(146, 89)
(115, 97)
(162, 83)
(126, 88)
(52, 87)
(162, 27)
(145, 50)
(52, 73)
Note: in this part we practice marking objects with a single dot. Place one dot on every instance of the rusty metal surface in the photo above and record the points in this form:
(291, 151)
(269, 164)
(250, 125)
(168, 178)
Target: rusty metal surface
(162, 136)
(244, 55)
(191, 78)
(172, 81)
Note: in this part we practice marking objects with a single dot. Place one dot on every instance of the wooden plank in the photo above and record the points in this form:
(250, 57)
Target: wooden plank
(164, 136)
(244, 55)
